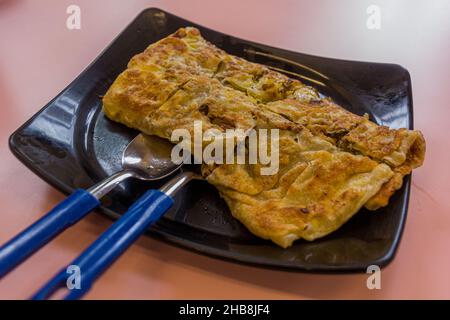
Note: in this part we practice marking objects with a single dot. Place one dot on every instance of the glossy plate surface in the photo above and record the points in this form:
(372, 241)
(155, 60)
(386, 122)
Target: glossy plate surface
(70, 144)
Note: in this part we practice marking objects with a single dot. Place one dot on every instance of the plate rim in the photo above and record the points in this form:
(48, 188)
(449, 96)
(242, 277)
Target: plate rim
(234, 257)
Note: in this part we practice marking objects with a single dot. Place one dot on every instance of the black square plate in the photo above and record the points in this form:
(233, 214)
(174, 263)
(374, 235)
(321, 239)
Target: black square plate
(70, 144)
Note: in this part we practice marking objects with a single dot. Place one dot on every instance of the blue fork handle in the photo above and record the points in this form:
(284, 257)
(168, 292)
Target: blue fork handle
(110, 245)
(65, 214)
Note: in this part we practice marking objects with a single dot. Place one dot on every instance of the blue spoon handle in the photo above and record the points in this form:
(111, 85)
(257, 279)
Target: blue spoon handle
(110, 245)
(65, 214)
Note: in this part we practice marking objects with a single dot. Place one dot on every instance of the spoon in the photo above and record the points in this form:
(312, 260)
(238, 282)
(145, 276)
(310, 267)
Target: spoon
(102, 253)
(145, 158)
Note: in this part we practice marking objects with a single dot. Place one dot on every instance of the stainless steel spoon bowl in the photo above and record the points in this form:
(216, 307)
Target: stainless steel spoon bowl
(145, 158)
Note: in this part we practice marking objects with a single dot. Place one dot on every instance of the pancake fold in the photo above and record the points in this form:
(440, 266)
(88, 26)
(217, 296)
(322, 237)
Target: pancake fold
(331, 162)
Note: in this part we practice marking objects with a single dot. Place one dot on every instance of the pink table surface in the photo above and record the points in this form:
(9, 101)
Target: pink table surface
(39, 56)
